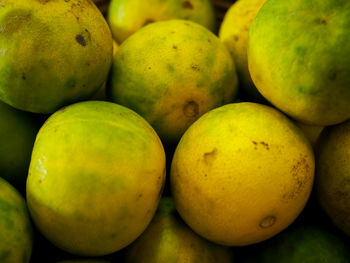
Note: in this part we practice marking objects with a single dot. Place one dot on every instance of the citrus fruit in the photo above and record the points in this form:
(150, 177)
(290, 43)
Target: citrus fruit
(304, 243)
(169, 239)
(312, 132)
(16, 234)
(53, 53)
(241, 174)
(125, 17)
(333, 173)
(171, 72)
(95, 178)
(299, 57)
(17, 136)
(234, 33)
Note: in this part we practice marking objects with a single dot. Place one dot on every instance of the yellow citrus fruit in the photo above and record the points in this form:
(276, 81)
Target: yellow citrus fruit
(125, 17)
(333, 173)
(171, 72)
(234, 33)
(53, 53)
(169, 239)
(241, 174)
(299, 57)
(16, 233)
(95, 178)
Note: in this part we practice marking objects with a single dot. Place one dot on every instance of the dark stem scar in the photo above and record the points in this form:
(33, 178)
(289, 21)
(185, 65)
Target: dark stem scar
(80, 39)
(187, 4)
(190, 109)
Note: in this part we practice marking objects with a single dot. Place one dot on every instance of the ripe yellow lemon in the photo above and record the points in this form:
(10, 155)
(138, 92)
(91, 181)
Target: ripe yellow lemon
(125, 17)
(95, 178)
(53, 53)
(241, 174)
(234, 33)
(333, 173)
(171, 72)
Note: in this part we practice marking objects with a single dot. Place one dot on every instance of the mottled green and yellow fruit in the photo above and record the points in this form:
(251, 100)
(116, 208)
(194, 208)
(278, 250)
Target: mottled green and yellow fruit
(301, 244)
(171, 72)
(169, 239)
(299, 57)
(125, 17)
(241, 174)
(333, 173)
(53, 53)
(234, 33)
(17, 135)
(16, 234)
(95, 178)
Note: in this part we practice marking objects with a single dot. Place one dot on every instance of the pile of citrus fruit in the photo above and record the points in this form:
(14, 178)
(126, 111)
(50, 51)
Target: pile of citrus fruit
(152, 131)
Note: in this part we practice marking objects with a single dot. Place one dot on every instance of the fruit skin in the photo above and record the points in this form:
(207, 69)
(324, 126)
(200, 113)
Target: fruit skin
(333, 173)
(95, 178)
(16, 235)
(299, 57)
(234, 33)
(304, 243)
(17, 136)
(235, 184)
(312, 132)
(169, 239)
(171, 72)
(65, 58)
(125, 17)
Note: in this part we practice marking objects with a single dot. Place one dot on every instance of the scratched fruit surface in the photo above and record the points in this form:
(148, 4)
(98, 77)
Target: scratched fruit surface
(231, 144)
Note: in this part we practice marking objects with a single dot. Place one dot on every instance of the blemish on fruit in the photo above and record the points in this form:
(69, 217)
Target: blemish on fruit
(267, 222)
(148, 21)
(266, 145)
(255, 145)
(23, 76)
(235, 38)
(190, 109)
(80, 39)
(298, 172)
(195, 67)
(209, 157)
(187, 4)
(174, 47)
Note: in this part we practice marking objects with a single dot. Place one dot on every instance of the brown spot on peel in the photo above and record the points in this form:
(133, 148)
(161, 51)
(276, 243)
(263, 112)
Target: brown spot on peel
(190, 109)
(209, 157)
(267, 222)
(80, 39)
(187, 4)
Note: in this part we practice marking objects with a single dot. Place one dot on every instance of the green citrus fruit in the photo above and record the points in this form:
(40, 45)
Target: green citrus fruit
(16, 234)
(301, 244)
(125, 17)
(241, 174)
(17, 136)
(169, 239)
(299, 58)
(95, 178)
(52, 53)
(333, 173)
(171, 72)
